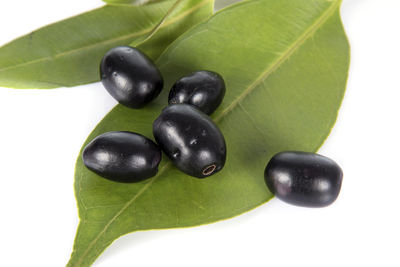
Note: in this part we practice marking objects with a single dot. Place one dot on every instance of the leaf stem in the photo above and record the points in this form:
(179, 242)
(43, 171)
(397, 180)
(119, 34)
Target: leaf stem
(158, 26)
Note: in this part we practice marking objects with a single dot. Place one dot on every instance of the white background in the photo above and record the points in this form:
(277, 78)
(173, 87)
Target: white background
(42, 131)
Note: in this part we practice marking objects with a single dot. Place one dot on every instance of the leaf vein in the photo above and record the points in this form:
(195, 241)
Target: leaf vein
(115, 217)
(280, 60)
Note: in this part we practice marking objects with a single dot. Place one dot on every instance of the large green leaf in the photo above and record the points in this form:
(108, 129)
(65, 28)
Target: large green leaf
(68, 53)
(285, 64)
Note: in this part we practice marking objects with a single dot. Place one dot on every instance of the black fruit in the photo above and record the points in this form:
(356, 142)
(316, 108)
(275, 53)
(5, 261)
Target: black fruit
(130, 76)
(203, 89)
(303, 179)
(122, 156)
(191, 140)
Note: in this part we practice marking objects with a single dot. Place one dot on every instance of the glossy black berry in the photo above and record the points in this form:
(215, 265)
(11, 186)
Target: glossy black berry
(122, 156)
(203, 89)
(130, 76)
(191, 140)
(304, 179)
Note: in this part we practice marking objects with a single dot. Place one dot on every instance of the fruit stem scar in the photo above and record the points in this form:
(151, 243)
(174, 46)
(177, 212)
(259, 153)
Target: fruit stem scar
(209, 169)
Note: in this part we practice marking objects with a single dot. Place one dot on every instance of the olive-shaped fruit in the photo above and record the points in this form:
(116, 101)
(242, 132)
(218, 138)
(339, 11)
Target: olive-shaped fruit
(304, 179)
(130, 76)
(191, 140)
(122, 156)
(203, 89)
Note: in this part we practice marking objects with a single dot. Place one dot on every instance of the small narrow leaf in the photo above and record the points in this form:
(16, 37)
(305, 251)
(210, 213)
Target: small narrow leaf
(285, 64)
(68, 53)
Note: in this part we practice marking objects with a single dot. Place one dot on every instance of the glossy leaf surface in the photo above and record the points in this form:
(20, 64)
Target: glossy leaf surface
(68, 53)
(285, 68)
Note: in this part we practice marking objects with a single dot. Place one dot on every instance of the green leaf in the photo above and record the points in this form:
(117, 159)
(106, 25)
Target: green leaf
(68, 53)
(129, 2)
(154, 43)
(285, 68)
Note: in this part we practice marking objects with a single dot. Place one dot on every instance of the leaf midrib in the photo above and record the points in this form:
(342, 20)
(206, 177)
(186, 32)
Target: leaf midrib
(130, 202)
(123, 37)
(280, 60)
(275, 65)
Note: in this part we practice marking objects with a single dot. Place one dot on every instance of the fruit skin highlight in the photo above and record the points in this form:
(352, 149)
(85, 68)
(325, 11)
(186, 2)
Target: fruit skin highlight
(203, 89)
(130, 76)
(122, 157)
(304, 179)
(191, 140)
